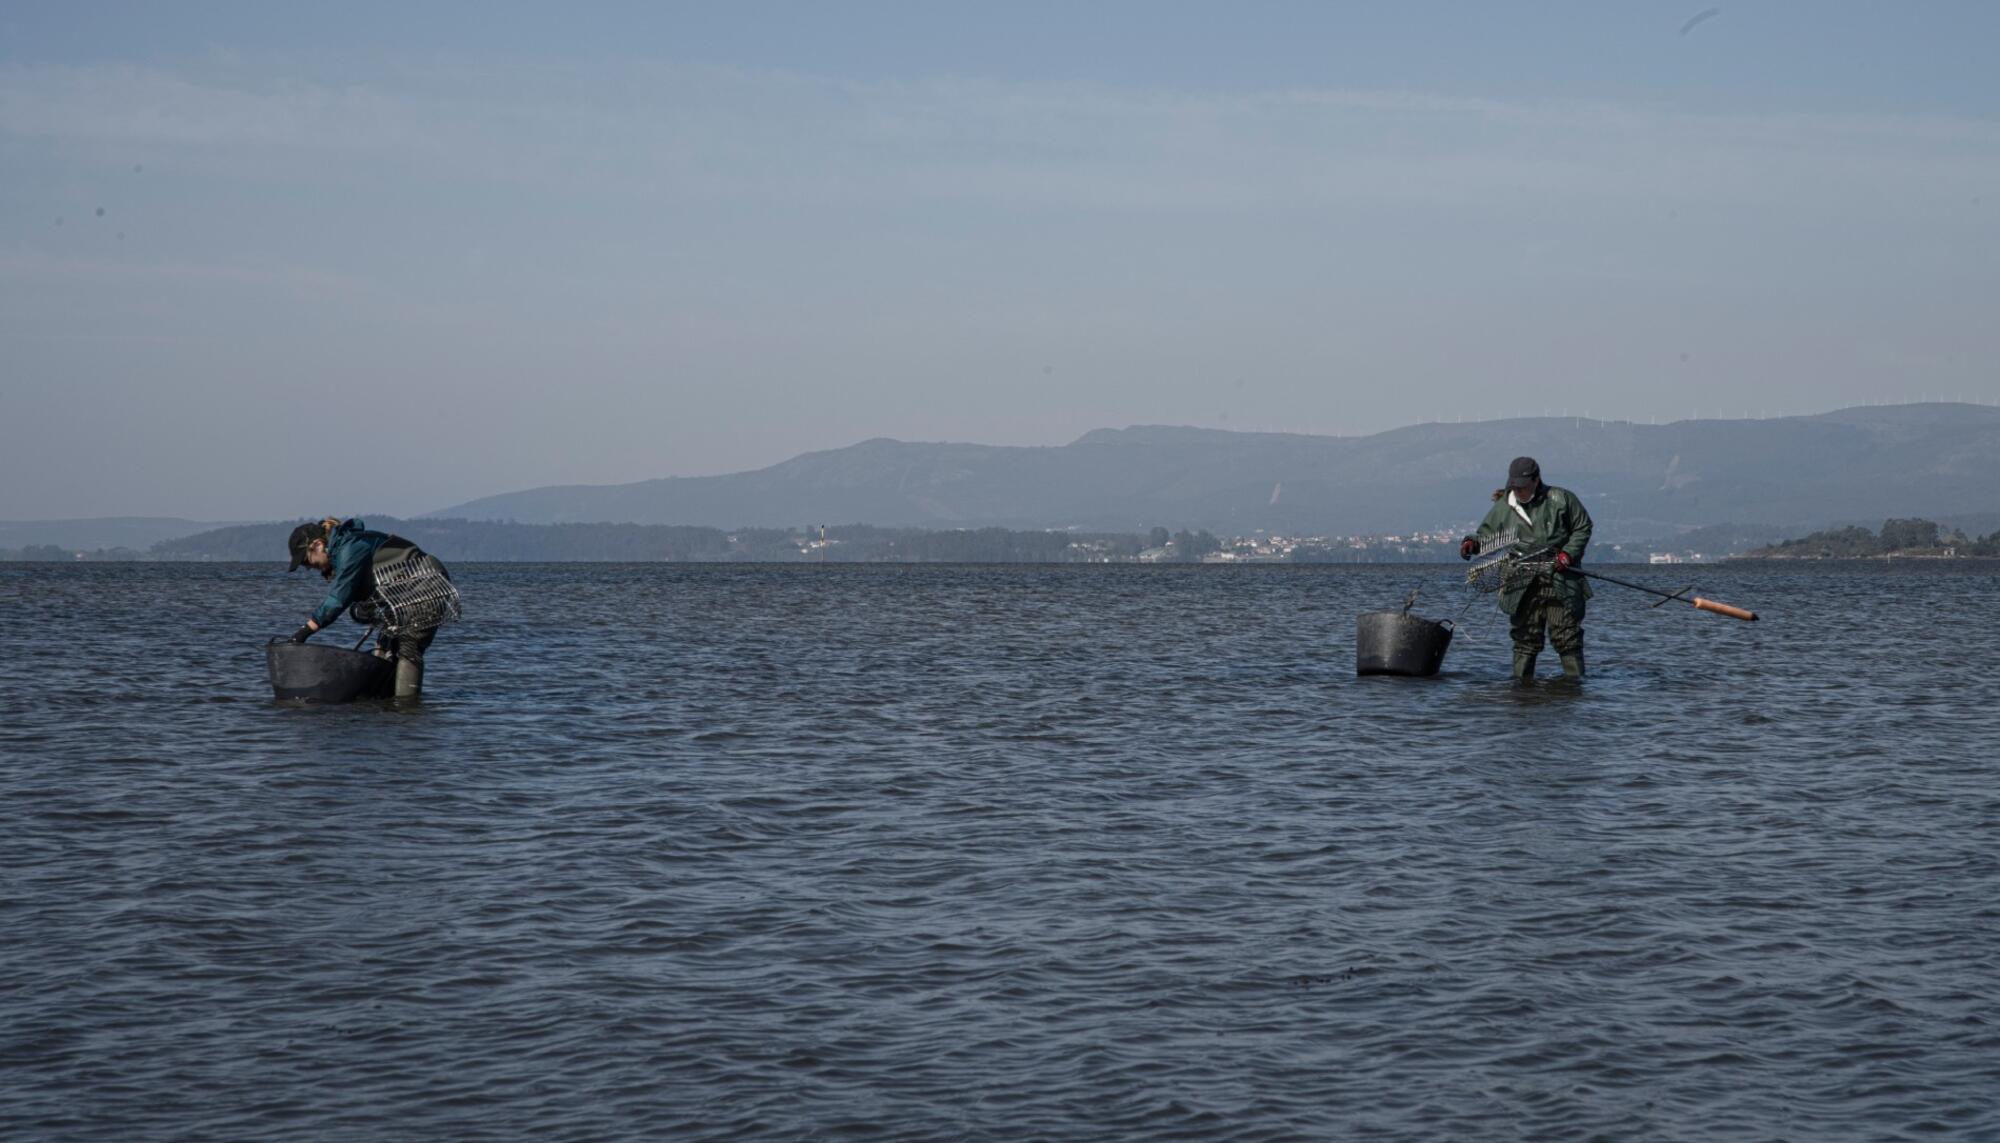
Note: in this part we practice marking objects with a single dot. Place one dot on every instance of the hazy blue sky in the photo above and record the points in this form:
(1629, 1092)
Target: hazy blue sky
(263, 260)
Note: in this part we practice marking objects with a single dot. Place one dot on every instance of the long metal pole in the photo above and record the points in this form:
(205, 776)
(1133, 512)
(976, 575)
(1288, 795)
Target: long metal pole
(1624, 583)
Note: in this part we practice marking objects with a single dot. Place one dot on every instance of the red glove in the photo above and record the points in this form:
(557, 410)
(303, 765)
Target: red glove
(1563, 561)
(1468, 547)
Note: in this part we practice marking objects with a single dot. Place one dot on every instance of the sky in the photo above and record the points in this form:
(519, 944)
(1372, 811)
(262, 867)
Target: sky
(265, 261)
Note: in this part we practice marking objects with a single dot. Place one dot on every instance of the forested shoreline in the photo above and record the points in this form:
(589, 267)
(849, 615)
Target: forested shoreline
(506, 542)
(1911, 537)
(502, 541)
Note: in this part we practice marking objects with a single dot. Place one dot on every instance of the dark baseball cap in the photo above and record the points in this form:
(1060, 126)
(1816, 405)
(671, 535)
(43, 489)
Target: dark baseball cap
(1524, 473)
(302, 538)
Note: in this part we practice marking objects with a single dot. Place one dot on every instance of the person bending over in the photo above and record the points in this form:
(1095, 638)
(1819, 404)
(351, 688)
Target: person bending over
(348, 555)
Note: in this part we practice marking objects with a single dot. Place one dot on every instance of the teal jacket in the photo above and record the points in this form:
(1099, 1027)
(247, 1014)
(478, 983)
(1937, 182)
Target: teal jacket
(355, 551)
(1556, 519)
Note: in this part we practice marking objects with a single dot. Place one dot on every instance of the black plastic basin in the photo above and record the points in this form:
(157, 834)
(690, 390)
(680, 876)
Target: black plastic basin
(1397, 643)
(316, 673)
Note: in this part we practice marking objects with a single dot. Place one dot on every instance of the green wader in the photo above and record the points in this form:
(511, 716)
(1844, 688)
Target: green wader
(408, 651)
(1542, 610)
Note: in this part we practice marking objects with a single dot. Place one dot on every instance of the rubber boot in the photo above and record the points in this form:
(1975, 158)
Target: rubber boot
(1573, 665)
(409, 678)
(1524, 666)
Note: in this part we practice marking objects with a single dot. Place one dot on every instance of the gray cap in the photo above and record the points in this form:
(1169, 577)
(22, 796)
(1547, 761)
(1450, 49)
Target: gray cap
(1523, 473)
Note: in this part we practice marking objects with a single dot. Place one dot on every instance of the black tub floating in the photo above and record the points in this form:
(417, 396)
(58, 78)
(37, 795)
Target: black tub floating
(328, 674)
(1398, 643)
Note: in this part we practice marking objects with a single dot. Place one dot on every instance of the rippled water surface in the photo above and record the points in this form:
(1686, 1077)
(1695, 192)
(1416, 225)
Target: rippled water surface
(1070, 852)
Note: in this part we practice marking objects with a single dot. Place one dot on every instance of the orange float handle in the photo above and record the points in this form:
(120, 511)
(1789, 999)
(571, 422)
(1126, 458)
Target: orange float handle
(1723, 609)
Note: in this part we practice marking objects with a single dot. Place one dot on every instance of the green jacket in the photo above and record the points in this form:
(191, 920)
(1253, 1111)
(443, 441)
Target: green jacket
(1556, 519)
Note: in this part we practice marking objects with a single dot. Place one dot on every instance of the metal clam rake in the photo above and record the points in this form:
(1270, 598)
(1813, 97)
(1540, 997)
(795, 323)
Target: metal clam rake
(1498, 564)
(411, 596)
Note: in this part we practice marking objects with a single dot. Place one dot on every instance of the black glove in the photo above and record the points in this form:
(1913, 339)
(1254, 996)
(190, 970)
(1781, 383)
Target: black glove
(1468, 547)
(302, 634)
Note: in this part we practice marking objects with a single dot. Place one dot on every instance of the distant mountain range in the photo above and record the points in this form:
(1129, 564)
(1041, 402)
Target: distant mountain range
(1717, 486)
(1641, 482)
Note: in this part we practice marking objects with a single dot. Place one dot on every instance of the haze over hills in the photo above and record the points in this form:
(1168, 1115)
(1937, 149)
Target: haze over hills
(136, 532)
(1743, 482)
(1640, 481)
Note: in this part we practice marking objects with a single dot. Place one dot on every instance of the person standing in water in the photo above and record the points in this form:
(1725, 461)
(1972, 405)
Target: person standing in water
(1539, 598)
(347, 555)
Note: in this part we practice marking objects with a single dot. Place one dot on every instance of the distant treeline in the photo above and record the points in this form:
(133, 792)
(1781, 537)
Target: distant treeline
(487, 540)
(52, 552)
(504, 541)
(1913, 536)
(501, 541)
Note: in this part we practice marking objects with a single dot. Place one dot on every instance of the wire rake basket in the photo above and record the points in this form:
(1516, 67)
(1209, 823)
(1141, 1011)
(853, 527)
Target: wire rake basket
(414, 595)
(1499, 566)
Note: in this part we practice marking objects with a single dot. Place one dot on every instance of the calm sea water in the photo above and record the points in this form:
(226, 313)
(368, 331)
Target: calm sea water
(1065, 852)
